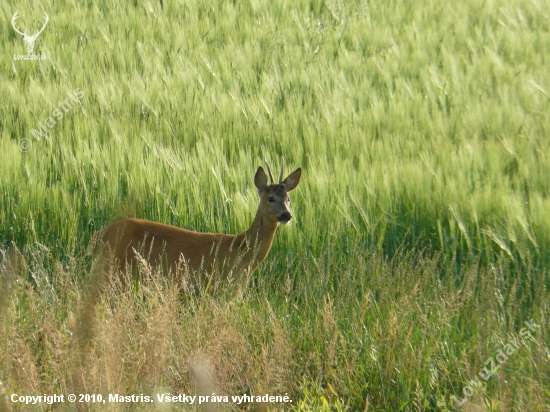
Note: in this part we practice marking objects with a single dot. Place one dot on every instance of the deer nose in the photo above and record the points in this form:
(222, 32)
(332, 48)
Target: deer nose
(285, 217)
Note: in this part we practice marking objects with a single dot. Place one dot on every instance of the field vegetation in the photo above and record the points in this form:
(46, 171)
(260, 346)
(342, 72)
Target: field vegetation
(420, 243)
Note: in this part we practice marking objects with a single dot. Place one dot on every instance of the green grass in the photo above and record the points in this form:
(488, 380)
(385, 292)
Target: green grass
(421, 239)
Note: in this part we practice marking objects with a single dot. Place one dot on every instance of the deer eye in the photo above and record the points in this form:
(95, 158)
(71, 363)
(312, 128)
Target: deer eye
(270, 199)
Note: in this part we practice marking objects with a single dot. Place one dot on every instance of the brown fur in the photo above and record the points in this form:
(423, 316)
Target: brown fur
(207, 253)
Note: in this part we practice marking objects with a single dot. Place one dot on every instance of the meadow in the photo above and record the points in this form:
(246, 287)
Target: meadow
(420, 243)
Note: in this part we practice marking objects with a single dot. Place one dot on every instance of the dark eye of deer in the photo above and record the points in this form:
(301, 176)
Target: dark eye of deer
(270, 199)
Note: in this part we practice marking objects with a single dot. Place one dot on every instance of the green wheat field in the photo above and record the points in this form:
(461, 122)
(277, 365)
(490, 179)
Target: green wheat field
(415, 275)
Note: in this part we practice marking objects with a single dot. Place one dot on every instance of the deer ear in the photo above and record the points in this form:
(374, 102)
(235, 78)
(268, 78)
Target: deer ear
(260, 180)
(293, 179)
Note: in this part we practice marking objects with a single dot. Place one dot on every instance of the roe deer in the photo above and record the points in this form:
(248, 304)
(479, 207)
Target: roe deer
(172, 247)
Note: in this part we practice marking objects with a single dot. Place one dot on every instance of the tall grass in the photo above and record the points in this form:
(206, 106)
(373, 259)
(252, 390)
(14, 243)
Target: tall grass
(421, 235)
(355, 334)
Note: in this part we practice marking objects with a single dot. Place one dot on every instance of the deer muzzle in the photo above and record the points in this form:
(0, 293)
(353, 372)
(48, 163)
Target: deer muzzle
(284, 217)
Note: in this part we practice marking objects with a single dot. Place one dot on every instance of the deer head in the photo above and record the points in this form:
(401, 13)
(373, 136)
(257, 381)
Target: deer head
(29, 40)
(274, 199)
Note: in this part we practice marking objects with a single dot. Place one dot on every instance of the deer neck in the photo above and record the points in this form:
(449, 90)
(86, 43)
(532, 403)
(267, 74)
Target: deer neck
(259, 237)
